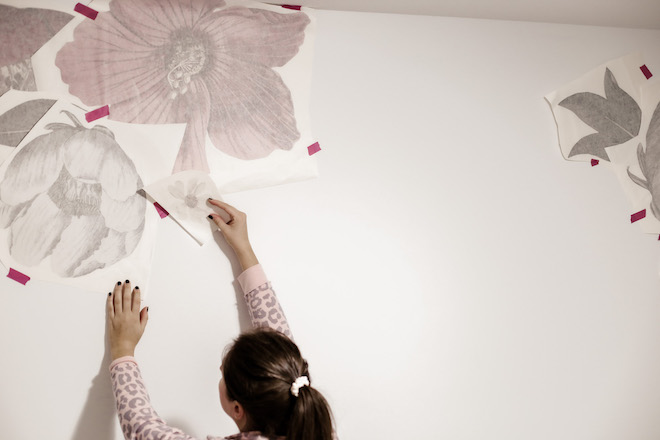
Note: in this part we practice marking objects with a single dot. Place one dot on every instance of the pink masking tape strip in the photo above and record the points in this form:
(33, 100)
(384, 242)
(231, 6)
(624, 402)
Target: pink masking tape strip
(594, 162)
(17, 276)
(98, 113)
(161, 211)
(294, 7)
(645, 70)
(86, 11)
(638, 216)
(314, 148)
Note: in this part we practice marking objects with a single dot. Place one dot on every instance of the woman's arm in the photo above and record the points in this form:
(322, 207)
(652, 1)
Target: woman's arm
(126, 324)
(263, 306)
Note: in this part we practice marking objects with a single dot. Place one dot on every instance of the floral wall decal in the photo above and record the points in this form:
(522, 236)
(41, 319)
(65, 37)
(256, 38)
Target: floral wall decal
(620, 109)
(649, 163)
(71, 194)
(22, 32)
(197, 62)
(184, 195)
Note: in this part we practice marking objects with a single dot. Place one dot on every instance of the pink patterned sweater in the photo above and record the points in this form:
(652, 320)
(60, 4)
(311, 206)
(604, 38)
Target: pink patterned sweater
(138, 419)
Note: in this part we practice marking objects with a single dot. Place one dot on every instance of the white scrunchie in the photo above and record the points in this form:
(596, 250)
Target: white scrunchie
(298, 384)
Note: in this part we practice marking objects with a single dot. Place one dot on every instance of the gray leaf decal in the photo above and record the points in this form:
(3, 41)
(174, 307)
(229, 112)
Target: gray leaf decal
(652, 154)
(17, 122)
(649, 163)
(616, 118)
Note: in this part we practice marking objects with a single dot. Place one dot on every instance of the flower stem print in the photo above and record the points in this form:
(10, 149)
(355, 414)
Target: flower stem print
(71, 194)
(192, 61)
(649, 163)
(22, 32)
(616, 118)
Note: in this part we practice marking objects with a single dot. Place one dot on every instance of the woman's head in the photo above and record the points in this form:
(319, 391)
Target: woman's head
(258, 370)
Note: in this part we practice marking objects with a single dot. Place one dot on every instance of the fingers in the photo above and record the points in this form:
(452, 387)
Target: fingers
(123, 299)
(117, 298)
(219, 221)
(109, 306)
(233, 212)
(144, 317)
(127, 297)
(136, 300)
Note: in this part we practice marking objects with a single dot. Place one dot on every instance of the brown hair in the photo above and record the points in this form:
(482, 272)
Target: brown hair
(258, 369)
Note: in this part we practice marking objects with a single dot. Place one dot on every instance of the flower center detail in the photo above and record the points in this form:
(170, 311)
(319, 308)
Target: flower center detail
(191, 201)
(75, 197)
(185, 56)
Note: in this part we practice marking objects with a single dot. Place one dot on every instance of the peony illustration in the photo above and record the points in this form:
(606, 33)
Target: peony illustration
(71, 194)
(192, 61)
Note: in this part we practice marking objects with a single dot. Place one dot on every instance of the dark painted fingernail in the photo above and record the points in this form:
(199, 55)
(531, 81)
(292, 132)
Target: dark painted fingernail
(147, 309)
(209, 198)
(137, 288)
(109, 293)
(211, 217)
(127, 281)
(119, 283)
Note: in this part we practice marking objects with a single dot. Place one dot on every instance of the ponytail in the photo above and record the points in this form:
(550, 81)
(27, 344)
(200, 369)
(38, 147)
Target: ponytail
(310, 417)
(259, 371)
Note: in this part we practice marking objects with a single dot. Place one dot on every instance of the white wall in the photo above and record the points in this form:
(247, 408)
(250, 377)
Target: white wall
(629, 13)
(449, 275)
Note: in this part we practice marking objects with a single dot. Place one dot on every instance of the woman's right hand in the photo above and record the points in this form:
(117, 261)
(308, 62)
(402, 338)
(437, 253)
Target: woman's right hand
(235, 232)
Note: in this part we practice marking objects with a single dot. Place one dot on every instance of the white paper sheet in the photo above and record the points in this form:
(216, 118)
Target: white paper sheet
(246, 105)
(69, 210)
(184, 196)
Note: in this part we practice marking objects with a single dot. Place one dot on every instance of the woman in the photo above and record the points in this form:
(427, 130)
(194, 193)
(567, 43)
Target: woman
(266, 387)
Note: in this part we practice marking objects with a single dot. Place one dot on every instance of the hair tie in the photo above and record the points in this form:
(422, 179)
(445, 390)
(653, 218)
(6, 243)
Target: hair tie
(298, 384)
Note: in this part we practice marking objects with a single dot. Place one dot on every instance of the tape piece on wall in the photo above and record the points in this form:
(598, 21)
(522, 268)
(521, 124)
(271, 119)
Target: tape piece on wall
(86, 11)
(314, 148)
(594, 162)
(645, 70)
(161, 211)
(638, 216)
(98, 113)
(17, 276)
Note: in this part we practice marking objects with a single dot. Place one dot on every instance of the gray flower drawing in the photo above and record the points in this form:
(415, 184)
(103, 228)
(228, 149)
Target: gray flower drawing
(616, 118)
(190, 197)
(71, 195)
(649, 162)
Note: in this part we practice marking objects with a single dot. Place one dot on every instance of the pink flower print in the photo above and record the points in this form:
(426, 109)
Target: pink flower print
(157, 61)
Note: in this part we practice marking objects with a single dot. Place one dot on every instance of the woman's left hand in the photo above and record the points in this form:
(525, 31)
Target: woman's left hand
(126, 322)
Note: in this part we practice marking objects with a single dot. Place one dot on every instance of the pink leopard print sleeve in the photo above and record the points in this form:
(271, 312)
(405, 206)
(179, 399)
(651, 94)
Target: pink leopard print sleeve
(264, 308)
(137, 418)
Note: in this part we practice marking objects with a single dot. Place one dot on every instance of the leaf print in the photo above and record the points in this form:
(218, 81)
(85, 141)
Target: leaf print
(22, 32)
(17, 122)
(616, 118)
(652, 154)
(649, 163)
